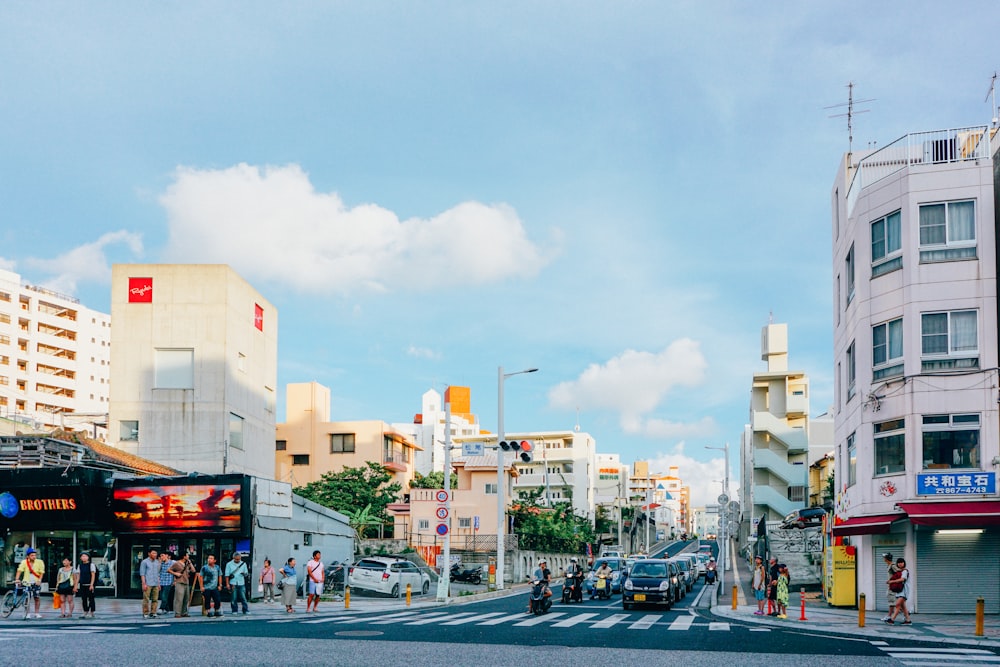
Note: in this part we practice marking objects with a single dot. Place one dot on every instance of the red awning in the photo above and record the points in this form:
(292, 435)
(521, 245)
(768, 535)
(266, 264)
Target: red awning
(954, 514)
(866, 525)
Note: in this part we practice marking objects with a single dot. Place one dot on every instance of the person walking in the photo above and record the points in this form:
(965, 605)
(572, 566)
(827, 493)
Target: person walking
(86, 577)
(149, 573)
(902, 595)
(267, 582)
(166, 583)
(211, 579)
(890, 594)
(315, 575)
(783, 592)
(288, 585)
(759, 584)
(31, 572)
(65, 585)
(182, 569)
(237, 575)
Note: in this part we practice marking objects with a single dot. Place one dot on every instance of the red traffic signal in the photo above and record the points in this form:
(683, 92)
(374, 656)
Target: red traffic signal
(527, 450)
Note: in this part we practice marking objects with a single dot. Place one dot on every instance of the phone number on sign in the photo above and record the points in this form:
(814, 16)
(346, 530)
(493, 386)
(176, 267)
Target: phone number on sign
(962, 491)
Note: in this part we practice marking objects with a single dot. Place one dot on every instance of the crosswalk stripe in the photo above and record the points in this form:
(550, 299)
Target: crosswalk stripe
(434, 618)
(537, 620)
(386, 620)
(903, 657)
(474, 619)
(681, 623)
(612, 620)
(715, 625)
(646, 622)
(902, 649)
(502, 619)
(326, 619)
(573, 620)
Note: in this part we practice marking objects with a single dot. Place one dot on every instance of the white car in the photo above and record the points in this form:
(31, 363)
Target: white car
(389, 576)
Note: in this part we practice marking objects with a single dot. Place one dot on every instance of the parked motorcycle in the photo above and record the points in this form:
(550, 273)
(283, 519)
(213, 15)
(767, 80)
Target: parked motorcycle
(540, 598)
(473, 575)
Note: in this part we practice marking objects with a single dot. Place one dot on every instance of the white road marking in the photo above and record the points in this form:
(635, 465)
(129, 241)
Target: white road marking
(612, 620)
(573, 620)
(681, 623)
(646, 622)
(538, 620)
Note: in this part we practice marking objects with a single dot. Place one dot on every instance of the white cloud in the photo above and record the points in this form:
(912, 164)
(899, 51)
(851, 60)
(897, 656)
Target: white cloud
(702, 476)
(634, 384)
(270, 223)
(87, 262)
(422, 353)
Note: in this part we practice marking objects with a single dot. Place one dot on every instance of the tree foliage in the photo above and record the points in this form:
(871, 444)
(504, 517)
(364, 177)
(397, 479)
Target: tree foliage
(554, 528)
(362, 494)
(432, 480)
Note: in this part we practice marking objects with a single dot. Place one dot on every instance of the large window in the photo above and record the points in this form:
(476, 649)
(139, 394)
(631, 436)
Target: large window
(851, 370)
(886, 245)
(235, 431)
(341, 443)
(949, 340)
(128, 429)
(849, 275)
(951, 441)
(173, 368)
(890, 447)
(887, 349)
(948, 231)
(852, 461)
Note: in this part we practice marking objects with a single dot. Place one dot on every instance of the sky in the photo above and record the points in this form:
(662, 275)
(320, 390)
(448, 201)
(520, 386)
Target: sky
(619, 194)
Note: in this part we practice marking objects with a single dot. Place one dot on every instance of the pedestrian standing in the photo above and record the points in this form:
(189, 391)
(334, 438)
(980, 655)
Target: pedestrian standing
(237, 575)
(288, 585)
(890, 594)
(211, 580)
(783, 592)
(315, 574)
(149, 573)
(267, 582)
(182, 569)
(759, 584)
(65, 585)
(166, 583)
(774, 569)
(902, 595)
(86, 577)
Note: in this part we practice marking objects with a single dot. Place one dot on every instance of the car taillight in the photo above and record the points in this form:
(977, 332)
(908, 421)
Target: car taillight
(350, 571)
(385, 575)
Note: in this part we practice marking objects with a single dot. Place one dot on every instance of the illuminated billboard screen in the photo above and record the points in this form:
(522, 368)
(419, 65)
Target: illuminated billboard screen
(192, 508)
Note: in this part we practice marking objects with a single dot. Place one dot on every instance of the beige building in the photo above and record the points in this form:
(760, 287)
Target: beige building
(308, 444)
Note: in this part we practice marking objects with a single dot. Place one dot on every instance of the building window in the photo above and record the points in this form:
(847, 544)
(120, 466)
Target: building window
(887, 248)
(424, 524)
(951, 441)
(280, 445)
(849, 275)
(837, 301)
(241, 362)
(887, 349)
(235, 431)
(890, 447)
(491, 489)
(852, 461)
(949, 340)
(851, 370)
(173, 368)
(300, 459)
(128, 429)
(341, 443)
(465, 522)
(948, 231)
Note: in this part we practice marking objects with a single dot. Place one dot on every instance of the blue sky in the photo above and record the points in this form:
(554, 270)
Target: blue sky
(617, 193)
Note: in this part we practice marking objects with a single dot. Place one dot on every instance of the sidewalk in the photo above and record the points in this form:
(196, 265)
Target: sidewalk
(821, 617)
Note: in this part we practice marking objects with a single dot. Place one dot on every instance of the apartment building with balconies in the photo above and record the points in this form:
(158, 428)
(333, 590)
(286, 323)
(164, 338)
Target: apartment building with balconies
(916, 364)
(55, 358)
(428, 428)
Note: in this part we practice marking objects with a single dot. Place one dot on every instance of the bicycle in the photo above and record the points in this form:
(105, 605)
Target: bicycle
(17, 598)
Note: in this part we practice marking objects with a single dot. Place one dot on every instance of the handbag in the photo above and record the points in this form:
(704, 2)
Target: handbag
(65, 587)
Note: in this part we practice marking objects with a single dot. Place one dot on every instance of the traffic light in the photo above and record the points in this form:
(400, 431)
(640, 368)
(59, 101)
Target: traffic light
(524, 448)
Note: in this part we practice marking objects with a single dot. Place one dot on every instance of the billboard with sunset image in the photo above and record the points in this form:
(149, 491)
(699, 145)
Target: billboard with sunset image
(192, 508)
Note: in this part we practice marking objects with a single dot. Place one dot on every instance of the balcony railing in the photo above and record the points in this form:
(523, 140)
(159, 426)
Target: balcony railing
(938, 147)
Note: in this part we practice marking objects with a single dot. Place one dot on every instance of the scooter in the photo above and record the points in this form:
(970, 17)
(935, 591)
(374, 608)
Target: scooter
(710, 576)
(602, 588)
(473, 575)
(573, 588)
(540, 598)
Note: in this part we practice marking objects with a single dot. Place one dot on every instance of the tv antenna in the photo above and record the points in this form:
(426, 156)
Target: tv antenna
(992, 93)
(851, 111)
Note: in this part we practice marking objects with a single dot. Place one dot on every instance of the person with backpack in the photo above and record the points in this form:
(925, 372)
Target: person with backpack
(900, 585)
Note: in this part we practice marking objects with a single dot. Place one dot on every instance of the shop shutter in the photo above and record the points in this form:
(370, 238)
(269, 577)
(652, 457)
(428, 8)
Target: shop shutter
(954, 569)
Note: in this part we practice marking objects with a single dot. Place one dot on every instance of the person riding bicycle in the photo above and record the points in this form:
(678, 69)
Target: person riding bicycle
(31, 572)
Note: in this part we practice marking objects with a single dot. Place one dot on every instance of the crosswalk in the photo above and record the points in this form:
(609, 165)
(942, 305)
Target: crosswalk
(924, 657)
(554, 619)
(12, 632)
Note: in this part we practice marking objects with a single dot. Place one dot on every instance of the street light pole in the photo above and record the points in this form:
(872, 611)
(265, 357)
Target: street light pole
(724, 514)
(501, 504)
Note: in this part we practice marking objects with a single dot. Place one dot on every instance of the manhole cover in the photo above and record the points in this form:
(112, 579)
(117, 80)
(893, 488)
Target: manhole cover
(358, 633)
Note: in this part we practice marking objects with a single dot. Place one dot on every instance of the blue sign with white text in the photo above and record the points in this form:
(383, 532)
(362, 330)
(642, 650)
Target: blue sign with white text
(956, 483)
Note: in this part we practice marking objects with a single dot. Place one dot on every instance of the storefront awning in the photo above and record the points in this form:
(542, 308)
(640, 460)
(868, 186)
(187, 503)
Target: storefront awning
(955, 514)
(866, 525)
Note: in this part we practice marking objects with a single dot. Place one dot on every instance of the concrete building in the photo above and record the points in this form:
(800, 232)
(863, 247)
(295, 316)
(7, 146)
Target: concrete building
(428, 428)
(611, 492)
(55, 359)
(564, 467)
(915, 342)
(194, 367)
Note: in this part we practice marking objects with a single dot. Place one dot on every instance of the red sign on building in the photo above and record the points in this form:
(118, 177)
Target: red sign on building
(140, 290)
(258, 317)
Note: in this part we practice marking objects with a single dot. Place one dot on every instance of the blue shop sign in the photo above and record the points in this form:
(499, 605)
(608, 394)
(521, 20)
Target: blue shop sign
(970, 483)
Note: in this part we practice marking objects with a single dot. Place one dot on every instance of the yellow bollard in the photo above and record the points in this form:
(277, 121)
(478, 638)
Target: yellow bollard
(735, 592)
(347, 597)
(408, 593)
(861, 610)
(980, 604)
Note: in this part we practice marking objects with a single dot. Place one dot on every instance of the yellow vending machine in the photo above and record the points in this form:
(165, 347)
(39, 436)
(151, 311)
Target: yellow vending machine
(840, 575)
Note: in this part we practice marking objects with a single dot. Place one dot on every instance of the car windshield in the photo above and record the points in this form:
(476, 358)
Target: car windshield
(613, 564)
(649, 570)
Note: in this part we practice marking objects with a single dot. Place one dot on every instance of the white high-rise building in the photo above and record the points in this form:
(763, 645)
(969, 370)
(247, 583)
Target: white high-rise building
(55, 358)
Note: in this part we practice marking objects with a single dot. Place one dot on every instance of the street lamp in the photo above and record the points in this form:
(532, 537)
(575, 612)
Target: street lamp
(723, 529)
(501, 508)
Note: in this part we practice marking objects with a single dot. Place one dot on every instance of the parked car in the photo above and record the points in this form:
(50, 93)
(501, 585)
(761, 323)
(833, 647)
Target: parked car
(651, 581)
(617, 566)
(388, 575)
(810, 516)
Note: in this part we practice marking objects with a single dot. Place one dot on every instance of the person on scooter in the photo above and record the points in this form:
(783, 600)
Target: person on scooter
(574, 578)
(710, 572)
(603, 572)
(543, 574)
